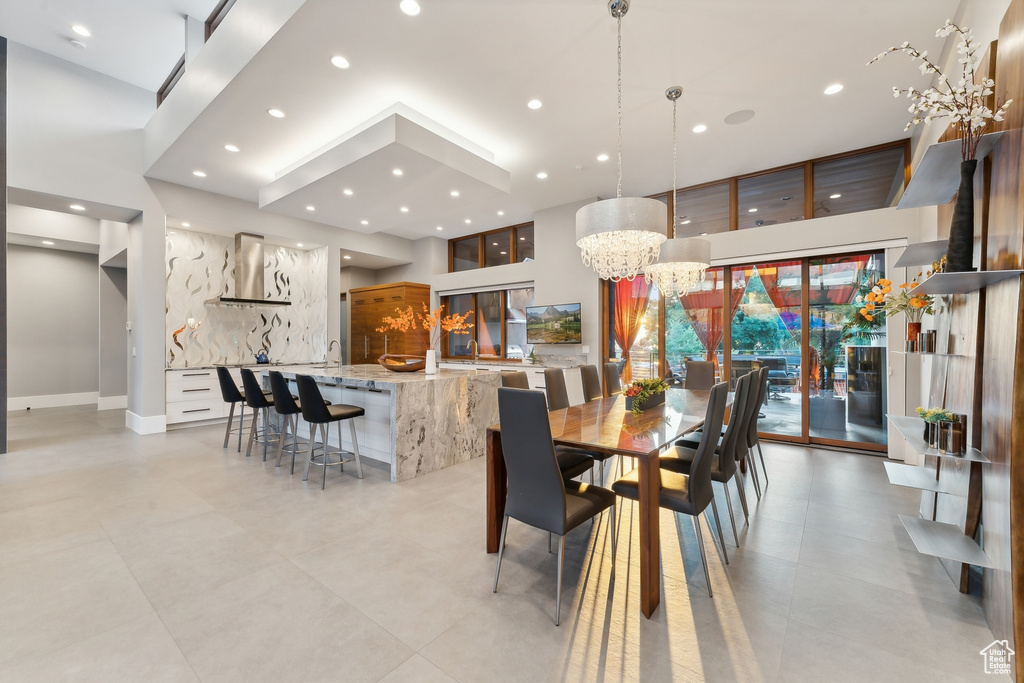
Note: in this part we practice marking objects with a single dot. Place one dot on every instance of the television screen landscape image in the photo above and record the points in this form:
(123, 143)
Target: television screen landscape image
(553, 324)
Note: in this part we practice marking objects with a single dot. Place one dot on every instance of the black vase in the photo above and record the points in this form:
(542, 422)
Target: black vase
(960, 250)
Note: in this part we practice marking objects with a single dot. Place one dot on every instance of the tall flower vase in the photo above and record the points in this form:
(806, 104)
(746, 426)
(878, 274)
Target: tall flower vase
(960, 250)
(913, 331)
(431, 367)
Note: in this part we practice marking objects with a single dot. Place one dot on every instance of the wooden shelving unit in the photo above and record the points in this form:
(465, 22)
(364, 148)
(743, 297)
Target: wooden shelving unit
(937, 177)
(962, 283)
(944, 540)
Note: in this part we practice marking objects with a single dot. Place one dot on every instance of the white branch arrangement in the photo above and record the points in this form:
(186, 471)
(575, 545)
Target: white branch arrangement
(964, 104)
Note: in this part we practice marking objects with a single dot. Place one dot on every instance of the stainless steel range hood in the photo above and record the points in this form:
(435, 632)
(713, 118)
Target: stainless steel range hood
(248, 274)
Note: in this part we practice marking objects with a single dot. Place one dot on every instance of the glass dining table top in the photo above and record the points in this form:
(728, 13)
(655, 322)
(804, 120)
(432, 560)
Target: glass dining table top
(605, 424)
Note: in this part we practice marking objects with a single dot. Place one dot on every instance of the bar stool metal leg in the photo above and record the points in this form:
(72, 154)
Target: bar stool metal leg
(241, 425)
(355, 447)
(227, 430)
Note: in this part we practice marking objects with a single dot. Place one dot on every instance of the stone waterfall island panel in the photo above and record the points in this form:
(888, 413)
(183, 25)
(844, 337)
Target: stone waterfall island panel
(439, 420)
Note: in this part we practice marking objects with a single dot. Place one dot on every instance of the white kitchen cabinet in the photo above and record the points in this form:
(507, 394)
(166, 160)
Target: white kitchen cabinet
(193, 395)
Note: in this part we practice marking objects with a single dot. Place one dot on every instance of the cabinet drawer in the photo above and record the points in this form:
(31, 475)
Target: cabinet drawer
(175, 376)
(189, 411)
(186, 391)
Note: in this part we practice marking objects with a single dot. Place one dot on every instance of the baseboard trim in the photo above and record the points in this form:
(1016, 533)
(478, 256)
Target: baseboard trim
(51, 400)
(153, 424)
(112, 403)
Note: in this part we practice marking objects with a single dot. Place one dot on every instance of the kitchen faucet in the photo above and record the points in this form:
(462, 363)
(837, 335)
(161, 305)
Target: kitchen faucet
(331, 346)
(476, 349)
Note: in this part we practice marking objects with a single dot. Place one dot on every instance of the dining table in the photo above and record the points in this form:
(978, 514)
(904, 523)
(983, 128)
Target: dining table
(606, 426)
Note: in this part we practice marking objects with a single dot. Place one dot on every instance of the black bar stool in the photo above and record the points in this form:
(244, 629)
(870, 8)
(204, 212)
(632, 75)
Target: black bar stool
(230, 392)
(286, 406)
(261, 404)
(317, 412)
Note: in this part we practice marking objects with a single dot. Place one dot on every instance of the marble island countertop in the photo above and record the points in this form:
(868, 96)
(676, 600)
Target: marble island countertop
(372, 376)
(235, 365)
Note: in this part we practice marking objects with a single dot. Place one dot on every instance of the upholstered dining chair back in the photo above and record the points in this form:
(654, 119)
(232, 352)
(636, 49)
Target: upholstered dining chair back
(736, 430)
(515, 380)
(314, 409)
(228, 389)
(554, 385)
(591, 382)
(700, 374)
(284, 404)
(536, 493)
(699, 490)
(254, 396)
(612, 379)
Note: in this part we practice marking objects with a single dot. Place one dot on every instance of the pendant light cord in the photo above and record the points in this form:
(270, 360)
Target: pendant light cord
(674, 185)
(618, 186)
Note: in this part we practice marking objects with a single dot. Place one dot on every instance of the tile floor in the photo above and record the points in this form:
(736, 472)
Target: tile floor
(166, 558)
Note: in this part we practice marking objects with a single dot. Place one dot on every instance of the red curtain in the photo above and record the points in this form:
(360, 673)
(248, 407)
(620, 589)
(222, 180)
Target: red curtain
(703, 308)
(848, 270)
(629, 308)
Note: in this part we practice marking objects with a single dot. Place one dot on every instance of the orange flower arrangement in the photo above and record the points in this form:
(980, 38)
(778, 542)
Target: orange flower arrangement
(432, 321)
(904, 301)
(873, 298)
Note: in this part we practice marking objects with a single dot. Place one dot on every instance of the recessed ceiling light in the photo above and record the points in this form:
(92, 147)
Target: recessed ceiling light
(81, 30)
(276, 113)
(396, 171)
(340, 62)
(454, 193)
(542, 175)
(77, 207)
(752, 210)
(299, 244)
(494, 244)
(77, 43)
(504, 253)
(602, 157)
(186, 225)
(522, 239)
(702, 233)
(468, 221)
(409, 7)
(365, 222)
(310, 208)
(48, 243)
(501, 213)
(171, 232)
(833, 89)
(534, 104)
(199, 174)
(404, 209)
(231, 148)
(440, 228)
(347, 192)
(699, 128)
(686, 222)
(346, 257)
(835, 196)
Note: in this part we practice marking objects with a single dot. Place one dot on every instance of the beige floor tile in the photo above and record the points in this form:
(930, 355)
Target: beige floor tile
(47, 528)
(416, 669)
(280, 625)
(55, 600)
(140, 650)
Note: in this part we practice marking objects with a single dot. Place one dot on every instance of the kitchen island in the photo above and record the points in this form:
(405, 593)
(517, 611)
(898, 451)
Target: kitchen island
(417, 423)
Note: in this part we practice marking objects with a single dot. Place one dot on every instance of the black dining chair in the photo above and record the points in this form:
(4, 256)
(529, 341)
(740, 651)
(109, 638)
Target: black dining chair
(572, 461)
(752, 436)
(612, 379)
(538, 495)
(731, 448)
(319, 413)
(691, 493)
(261, 403)
(591, 382)
(231, 394)
(558, 399)
(700, 374)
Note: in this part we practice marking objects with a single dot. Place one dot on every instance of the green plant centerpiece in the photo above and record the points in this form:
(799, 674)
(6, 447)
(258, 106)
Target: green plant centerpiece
(640, 392)
(935, 414)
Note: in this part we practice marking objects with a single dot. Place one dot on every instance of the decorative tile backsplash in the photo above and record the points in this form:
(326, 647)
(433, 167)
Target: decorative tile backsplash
(201, 267)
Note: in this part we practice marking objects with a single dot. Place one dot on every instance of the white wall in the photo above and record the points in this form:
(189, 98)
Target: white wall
(53, 333)
(74, 132)
(52, 225)
(113, 339)
(431, 259)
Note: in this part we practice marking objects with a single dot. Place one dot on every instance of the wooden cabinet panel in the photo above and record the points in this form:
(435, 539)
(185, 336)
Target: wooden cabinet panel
(370, 305)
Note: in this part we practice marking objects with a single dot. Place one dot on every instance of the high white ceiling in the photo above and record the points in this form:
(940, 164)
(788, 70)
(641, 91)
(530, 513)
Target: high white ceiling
(137, 41)
(471, 66)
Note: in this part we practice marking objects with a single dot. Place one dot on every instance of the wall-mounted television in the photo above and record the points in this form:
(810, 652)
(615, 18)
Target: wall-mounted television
(553, 324)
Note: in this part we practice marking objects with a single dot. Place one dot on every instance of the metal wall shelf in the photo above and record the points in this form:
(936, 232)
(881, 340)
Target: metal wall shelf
(912, 429)
(912, 476)
(922, 254)
(944, 540)
(962, 283)
(937, 177)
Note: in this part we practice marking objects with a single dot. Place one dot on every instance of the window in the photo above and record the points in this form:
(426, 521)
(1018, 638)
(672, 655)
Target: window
(499, 319)
(770, 198)
(702, 210)
(500, 247)
(858, 183)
